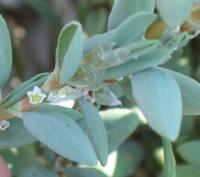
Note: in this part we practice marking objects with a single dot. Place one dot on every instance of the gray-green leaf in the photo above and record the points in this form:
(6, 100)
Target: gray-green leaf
(54, 109)
(130, 30)
(190, 90)
(106, 97)
(187, 171)
(159, 97)
(36, 170)
(120, 124)
(5, 53)
(83, 172)
(69, 51)
(175, 12)
(122, 9)
(189, 151)
(61, 134)
(127, 166)
(95, 129)
(21, 91)
(153, 58)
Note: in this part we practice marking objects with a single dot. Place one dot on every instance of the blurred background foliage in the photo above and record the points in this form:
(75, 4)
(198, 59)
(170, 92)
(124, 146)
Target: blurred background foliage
(34, 26)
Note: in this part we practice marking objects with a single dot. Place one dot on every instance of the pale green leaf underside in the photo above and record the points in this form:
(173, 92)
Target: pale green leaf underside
(69, 51)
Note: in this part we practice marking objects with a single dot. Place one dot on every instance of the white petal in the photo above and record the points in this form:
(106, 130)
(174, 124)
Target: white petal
(29, 93)
(32, 102)
(37, 90)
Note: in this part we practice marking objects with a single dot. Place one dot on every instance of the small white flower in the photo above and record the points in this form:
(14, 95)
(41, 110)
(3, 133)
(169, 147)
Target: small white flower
(36, 96)
(4, 125)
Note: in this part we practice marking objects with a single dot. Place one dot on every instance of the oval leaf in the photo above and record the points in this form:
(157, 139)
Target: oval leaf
(159, 97)
(122, 9)
(69, 51)
(175, 12)
(153, 58)
(190, 90)
(61, 134)
(130, 30)
(5, 53)
(95, 129)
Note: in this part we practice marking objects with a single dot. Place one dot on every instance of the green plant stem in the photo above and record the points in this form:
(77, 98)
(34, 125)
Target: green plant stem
(169, 160)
